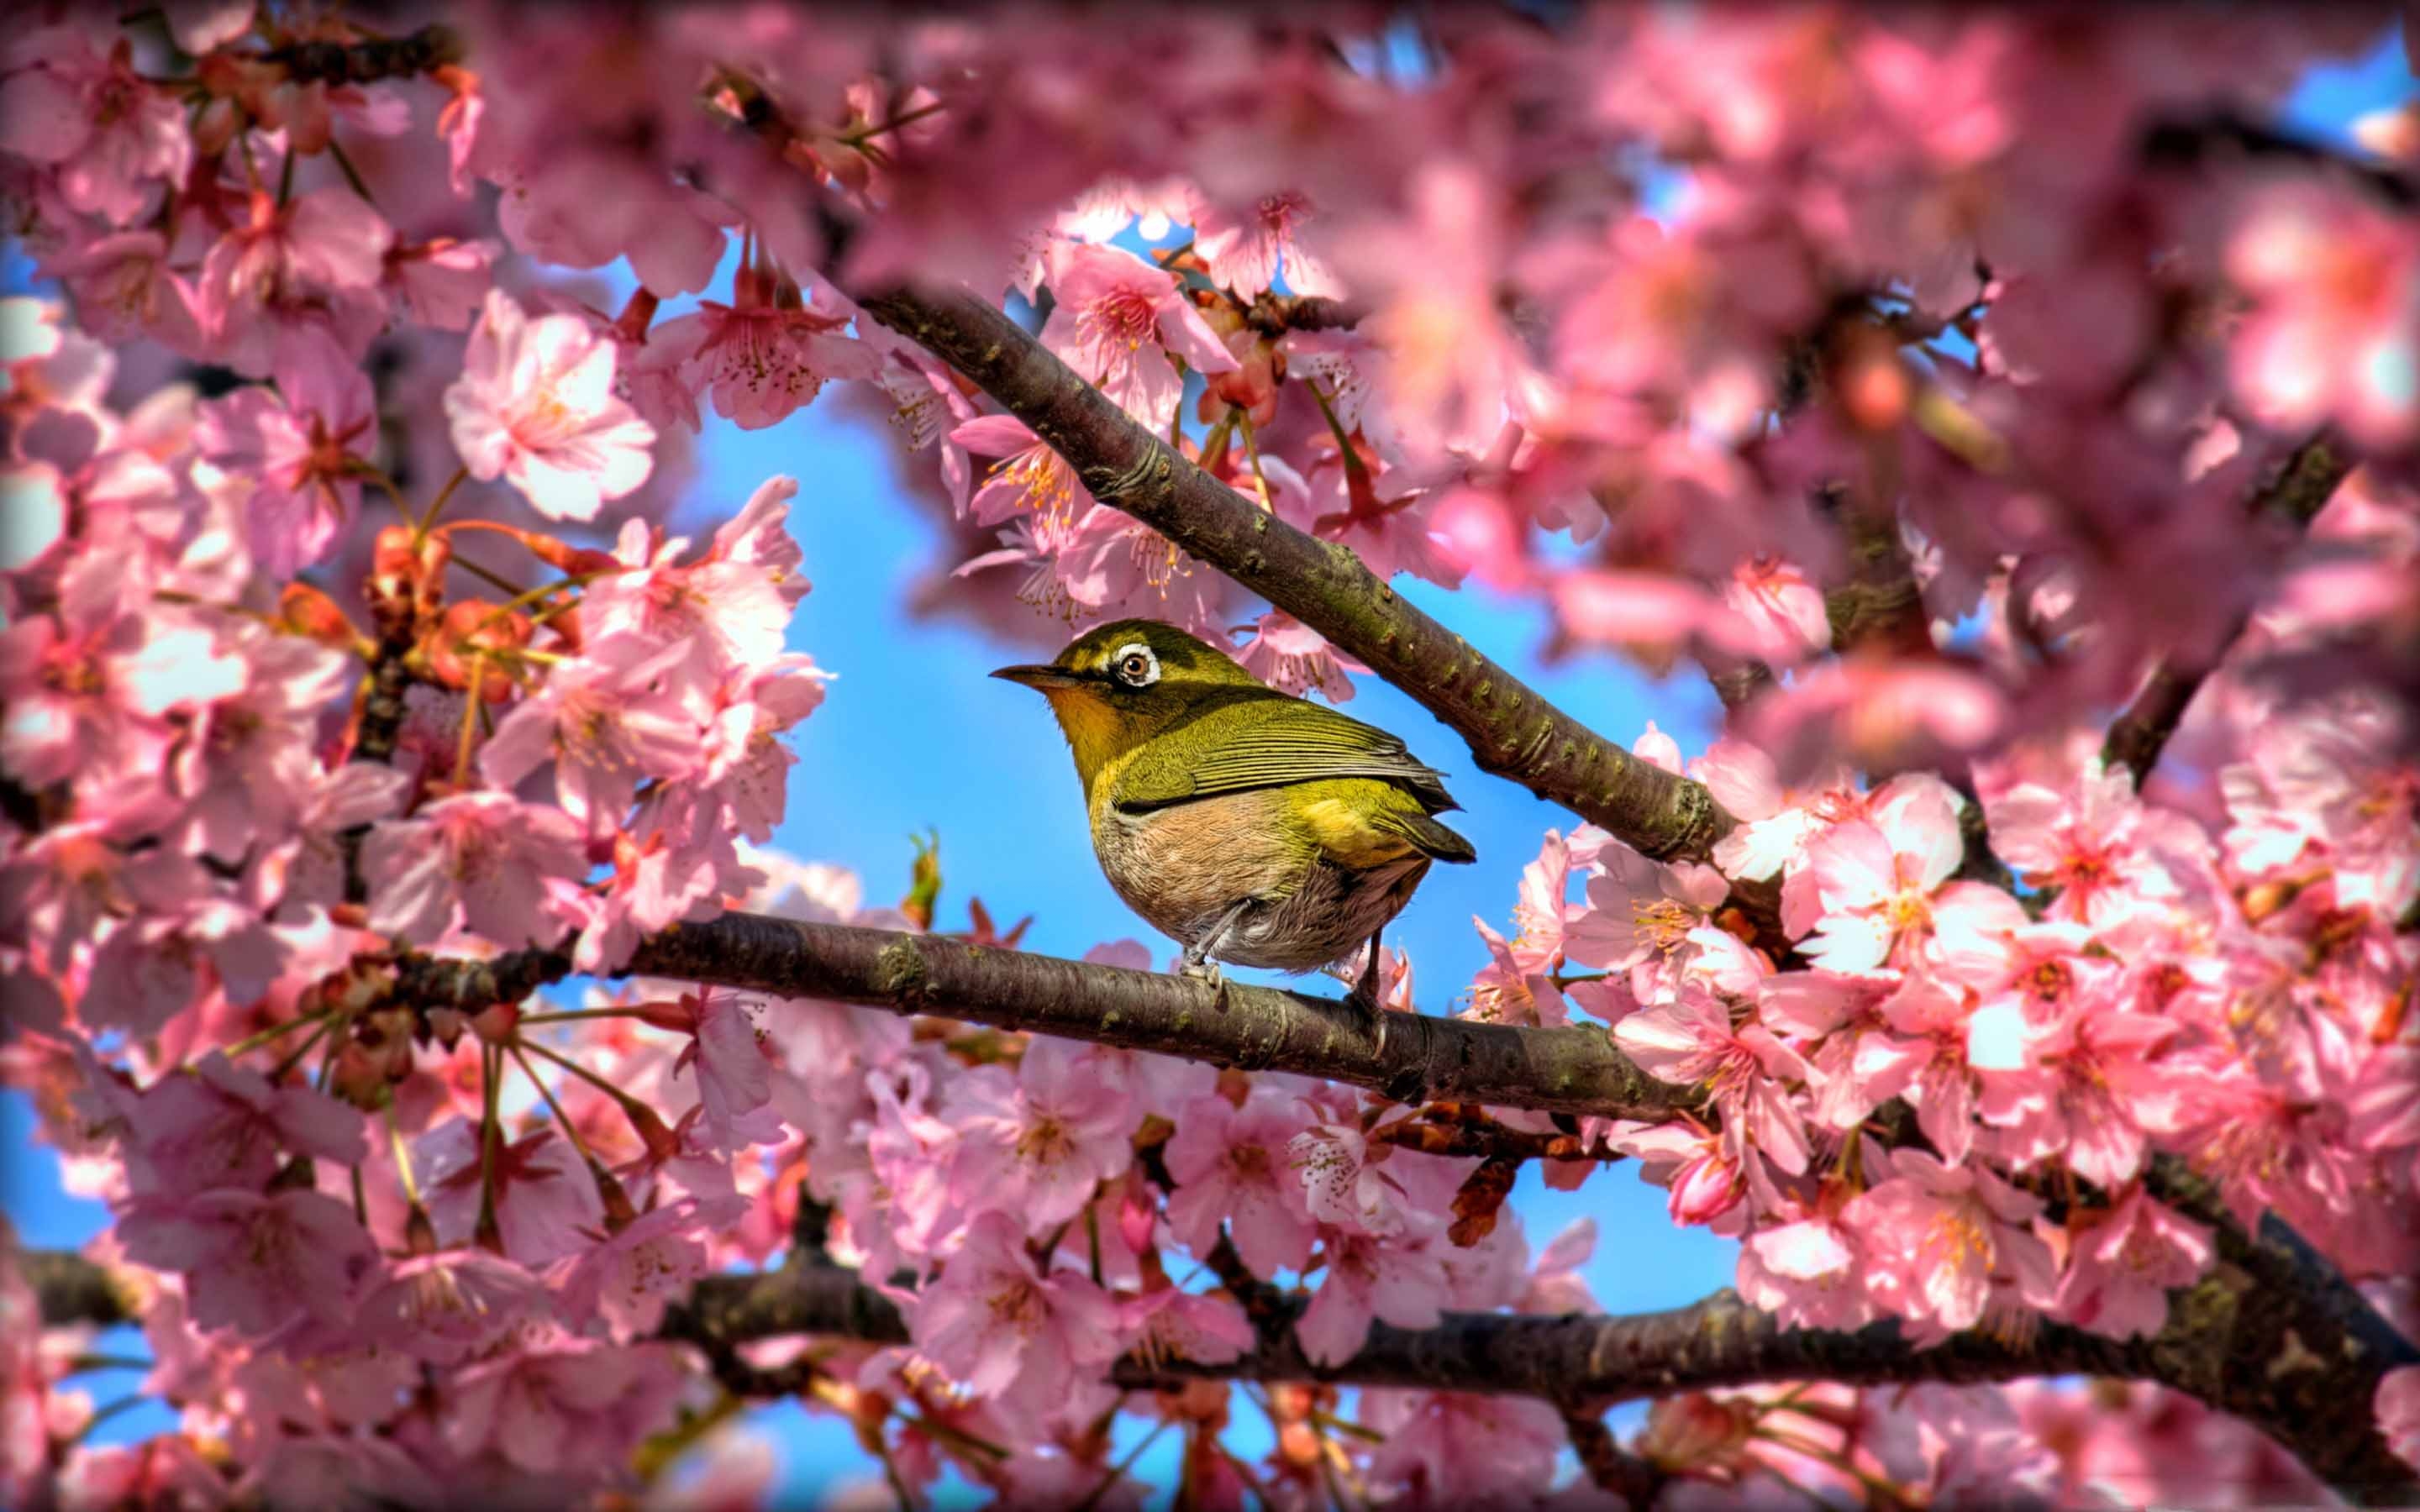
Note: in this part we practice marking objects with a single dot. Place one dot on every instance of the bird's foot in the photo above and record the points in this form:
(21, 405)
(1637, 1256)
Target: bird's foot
(1195, 962)
(1206, 970)
(1364, 995)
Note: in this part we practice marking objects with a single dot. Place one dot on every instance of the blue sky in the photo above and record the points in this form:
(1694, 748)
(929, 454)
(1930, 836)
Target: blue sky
(914, 737)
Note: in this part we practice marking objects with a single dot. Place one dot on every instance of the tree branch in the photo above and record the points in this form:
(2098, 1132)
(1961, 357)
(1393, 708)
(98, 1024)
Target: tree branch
(2220, 136)
(1513, 730)
(2213, 1348)
(71, 1289)
(1738, 681)
(1273, 313)
(1585, 1363)
(1880, 603)
(1410, 1057)
(2292, 499)
(425, 50)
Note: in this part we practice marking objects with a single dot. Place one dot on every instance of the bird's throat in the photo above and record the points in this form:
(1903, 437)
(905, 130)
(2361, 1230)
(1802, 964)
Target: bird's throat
(1095, 732)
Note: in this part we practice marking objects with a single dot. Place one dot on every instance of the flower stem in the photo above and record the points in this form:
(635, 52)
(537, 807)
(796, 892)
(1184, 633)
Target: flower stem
(253, 1041)
(1253, 450)
(402, 1157)
(566, 1015)
(104, 1413)
(864, 134)
(1353, 463)
(491, 1139)
(437, 506)
(1118, 1471)
(493, 579)
(294, 1057)
(352, 175)
(570, 1131)
(620, 1097)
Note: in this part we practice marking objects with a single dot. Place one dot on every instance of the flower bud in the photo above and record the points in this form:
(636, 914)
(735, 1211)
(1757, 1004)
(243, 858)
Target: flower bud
(359, 1075)
(1704, 1190)
(314, 615)
(419, 1234)
(662, 1144)
(1694, 1431)
(619, 1213)
(1298, 1445)
(496, 1023)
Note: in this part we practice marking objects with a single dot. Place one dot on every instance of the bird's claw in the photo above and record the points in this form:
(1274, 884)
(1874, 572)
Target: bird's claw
(1364, 995)
(1363, 998)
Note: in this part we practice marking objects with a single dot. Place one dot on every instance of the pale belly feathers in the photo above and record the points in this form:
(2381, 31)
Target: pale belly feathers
(1184, 867)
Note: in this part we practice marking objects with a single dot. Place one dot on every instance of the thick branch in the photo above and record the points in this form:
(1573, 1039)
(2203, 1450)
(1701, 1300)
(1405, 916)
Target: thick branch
(1273, 314)
(1413, 1059)
(1587, 1363)
(2223, 137)
(2320, 1410)
(367, 61)
(71, 1289)
(1881, 605)
(1513, 730)
(1738, 681)
(2291, 500)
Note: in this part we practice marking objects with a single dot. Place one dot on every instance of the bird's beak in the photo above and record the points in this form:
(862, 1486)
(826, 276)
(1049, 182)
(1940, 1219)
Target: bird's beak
(1042, 676)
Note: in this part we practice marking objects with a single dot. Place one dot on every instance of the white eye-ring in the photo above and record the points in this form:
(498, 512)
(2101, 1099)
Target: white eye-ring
(1134, 665)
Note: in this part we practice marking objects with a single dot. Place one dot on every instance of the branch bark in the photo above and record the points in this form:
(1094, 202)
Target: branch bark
(1411, 1058)
(432, 47)
(1513, 730)
(1586, 1363)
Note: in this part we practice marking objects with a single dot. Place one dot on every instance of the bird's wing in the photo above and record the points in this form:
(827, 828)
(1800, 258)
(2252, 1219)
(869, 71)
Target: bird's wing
(1271, 741)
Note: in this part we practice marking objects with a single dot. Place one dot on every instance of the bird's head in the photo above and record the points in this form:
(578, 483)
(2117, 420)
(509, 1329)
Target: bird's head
(1118, 685)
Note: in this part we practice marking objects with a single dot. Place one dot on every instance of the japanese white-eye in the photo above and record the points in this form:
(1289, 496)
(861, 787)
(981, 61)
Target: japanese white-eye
(1251, 826)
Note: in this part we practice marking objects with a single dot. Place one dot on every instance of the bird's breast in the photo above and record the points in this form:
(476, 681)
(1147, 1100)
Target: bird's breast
(1184, 866)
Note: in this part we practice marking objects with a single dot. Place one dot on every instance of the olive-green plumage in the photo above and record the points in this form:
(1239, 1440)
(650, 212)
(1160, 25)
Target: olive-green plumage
(1252, 826)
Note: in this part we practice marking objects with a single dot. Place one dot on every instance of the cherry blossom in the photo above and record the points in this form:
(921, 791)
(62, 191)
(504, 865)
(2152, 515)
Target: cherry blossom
(72, 100)
(1038, 1146)
(609, 721)
(1873, 888)
(536, 406)
(993, 1323)
(2127, 1265)
(1945, 1242)
(252, 1263)
(478, 855)
(2354, 306)
(1367, 1279)
(2066, 367)
(770, 351)
(1233, 1163)
(547, 1408)
(1118, 322)
(291, 273)
(225, 1126)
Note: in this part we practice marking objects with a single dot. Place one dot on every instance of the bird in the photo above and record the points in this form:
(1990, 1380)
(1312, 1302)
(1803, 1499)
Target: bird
(1253, 828)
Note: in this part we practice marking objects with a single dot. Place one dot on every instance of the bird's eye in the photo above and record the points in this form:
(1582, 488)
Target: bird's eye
(1136, 665)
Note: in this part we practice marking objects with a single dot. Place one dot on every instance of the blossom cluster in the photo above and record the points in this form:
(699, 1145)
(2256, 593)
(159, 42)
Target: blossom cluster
(2235, 1000)
(355, 632)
